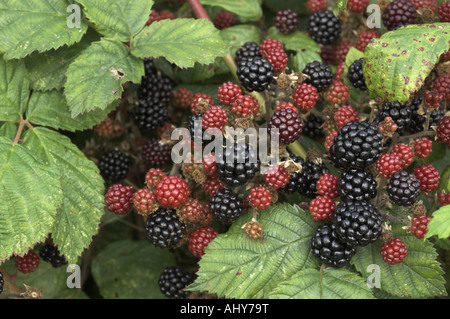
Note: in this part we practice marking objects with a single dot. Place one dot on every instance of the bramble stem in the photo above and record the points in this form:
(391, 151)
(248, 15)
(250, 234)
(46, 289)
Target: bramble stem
(297, 149)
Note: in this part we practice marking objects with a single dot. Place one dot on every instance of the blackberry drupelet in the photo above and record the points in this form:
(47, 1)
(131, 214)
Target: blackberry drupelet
(357, 145)
(358, 222)
(154, 86)
(403, 188)
(313, 127)
(255, 74)
(237, 164)
(324, 27)
(248, 50)
(226, 206)
(173, 280)
(164, 228)
(356, 76)
(329, 249)
(150, 114)
(52, 255)
(114, 165)
(399, 112)
(319, 75)
(356, 185)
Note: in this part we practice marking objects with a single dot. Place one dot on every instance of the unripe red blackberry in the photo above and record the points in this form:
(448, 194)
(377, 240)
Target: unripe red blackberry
(329, 140)
(197, 98)
(199, 239)
(387, 164)
(286, 105)
(277, 176)
(419, 226)
(260, 197)
(155, 153)
(442, 85)
(286, 21)
(183, 98)
(193, 211)
(119, 199)
(327, 185)
(444, 12)
(399, 112)
(423, 147)
(224, 19)
(153, 177)
(172, 191)
(228, 92)
(27, 263)
(345, 114)
(328, 55)
(426, 4)
(305, 96)
(214, 118)
(428, 177)
(212, 185)
(244, 105)
(316, 5)
(398, 13)
(277, 58)
(357, 5)
(433, 98)
(342, 50)
(364, 38)
(209, 164)
(337, 93)
(340, 71)
(288, 124)
(144, 201)
(444, 198)
(443, 130)
(269, 44)
(324, 27)
(322, 208)
(405, 152)
(319, 75)
(394, 251)
(253, 230)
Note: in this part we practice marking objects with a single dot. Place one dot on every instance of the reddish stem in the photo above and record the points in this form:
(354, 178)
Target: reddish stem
(198, 9)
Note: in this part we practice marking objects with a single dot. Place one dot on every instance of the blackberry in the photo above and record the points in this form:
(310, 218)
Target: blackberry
(357, 145)
(248, 50)
(114, 165)
(358, 222)
(237, 164)
(324, 27)
(418, 121)
(286, 21)
(164, 228)
(173, 280)
(52, 255)
(356, 76)
(399, 112)
(2, 282)
(255, 74)
(154, 86)
(195, 129)
(148, 65)
(319, 75)
(155, 153)
(226, 206)
(313, 171)
(356, 185)
(297, 180)
(399, 13)
(288, 124)
(150, 114)
(403, 188)
(329, 249)
(313, 127)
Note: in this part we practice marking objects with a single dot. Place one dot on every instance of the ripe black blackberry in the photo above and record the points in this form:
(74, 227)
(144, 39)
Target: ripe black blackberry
(148, 65)
(356, 185)
(399, 112)
(313, 171)
(114, 165)
(286, 21)
(358, 222)
(248, 50)
(52, 255)
(418, 121)
(403, 188)
(255, 74)
(313, 127)
(324, 27)
(356, 76)
(237, 164)
(398, 13)
(226, 206)
(319, 75)
(173, 280)
(164, 228)
(329, 249)
(150, 114)
(154, 86)
(155, 153)
(2, 282)
(357, 145)
(297, 180)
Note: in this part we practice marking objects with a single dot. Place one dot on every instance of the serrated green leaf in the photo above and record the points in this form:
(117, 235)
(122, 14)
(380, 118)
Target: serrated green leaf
(236, 36)
(82, 186)
(181, 41)
(8, 130)
(95, 78)
(303, 57)
(296, 41)
(397, 64)
(247, 9)
(439, 224)
(121, 19)
(419, 275)
(35, 25)
(50, 109)
(236, 267)
(47, 70)
(130, 270)
(30, 193)
(13, 89)
(328, 283)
